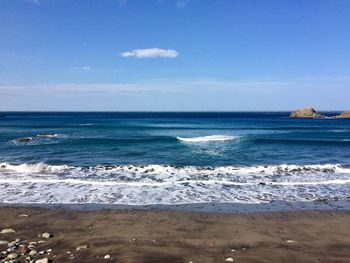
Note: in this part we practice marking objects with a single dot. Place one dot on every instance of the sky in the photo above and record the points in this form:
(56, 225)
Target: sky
(174, 55)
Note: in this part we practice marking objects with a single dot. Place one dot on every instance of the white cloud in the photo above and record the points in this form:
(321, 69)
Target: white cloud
(150, 53)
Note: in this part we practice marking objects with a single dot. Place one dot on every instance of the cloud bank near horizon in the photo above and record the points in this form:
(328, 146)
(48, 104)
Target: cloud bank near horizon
(150, 53)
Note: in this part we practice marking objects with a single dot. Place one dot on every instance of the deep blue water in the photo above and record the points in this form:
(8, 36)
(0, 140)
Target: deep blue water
(112, 149)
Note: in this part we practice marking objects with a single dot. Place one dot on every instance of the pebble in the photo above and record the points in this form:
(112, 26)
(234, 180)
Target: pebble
(84, 247)
(42, 252)
(49, 250)
(291, 241)
(12, 256)
(229, 260)
(41, 241)
(24, 250)
(32, 243)
(3, 252)
(11, 249)
(31, 247)
(33, 253)
(7, 231)
(43, 260)
(12, 244)
(46, 235)
(23, 215)
(107, 256)
(3, 242)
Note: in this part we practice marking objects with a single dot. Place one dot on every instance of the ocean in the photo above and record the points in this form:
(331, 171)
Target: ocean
(140, 158)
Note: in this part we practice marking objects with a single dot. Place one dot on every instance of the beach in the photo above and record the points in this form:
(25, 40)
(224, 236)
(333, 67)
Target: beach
(174, 236)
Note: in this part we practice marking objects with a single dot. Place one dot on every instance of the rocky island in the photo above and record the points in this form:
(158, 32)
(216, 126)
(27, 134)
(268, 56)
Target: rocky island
(309, 112)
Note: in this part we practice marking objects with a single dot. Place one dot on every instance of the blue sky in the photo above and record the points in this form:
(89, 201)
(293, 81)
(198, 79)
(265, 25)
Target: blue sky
(174, 55)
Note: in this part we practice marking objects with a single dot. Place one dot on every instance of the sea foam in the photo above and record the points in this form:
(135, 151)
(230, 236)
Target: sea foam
(209, 138)
(163, 184)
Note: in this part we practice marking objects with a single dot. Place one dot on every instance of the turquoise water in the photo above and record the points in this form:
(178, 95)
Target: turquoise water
(171, 158)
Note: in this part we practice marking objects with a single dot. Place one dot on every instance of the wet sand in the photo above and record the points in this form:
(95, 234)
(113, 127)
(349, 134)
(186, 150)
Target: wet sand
(173, 236)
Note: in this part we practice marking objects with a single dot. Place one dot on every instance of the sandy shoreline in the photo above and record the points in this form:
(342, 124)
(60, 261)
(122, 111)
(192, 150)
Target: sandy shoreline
(173, 236)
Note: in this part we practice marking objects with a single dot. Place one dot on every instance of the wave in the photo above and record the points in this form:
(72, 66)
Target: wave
(178, 172)
(209, 138)
(163, 184)
(34, 168)
(48, 135)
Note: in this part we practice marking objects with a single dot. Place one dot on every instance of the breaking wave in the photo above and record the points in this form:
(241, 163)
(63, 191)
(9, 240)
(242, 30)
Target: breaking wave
(163, 184)
(209, 138)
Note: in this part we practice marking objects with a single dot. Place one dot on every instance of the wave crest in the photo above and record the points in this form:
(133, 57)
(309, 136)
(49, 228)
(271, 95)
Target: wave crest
(209, 138)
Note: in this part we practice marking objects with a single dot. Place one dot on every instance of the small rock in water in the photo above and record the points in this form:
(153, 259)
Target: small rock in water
(24, 139)
(107, 256)
(7, 231)
(3, 242)
(229, 259)
(84, 247)
(43, 260)
(46, 235)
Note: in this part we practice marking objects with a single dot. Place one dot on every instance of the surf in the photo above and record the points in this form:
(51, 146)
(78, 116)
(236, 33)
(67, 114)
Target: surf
(210, 138)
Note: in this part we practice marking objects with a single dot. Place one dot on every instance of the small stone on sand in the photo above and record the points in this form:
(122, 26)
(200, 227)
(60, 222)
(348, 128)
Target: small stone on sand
(84, 247)
(12, 256)
(43, 260)
(7, 231)
(291, 241)
(229, 260)
(107, 256)
(46, 235)
(23, 215)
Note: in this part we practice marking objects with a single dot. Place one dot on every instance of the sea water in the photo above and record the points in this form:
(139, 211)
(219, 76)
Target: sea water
(139, 158)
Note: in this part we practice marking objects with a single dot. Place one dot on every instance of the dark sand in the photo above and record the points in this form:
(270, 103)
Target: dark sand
(169, 236)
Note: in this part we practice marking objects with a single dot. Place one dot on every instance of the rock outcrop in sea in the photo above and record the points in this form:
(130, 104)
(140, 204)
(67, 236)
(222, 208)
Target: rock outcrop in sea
(344, 115)
(309, 112)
